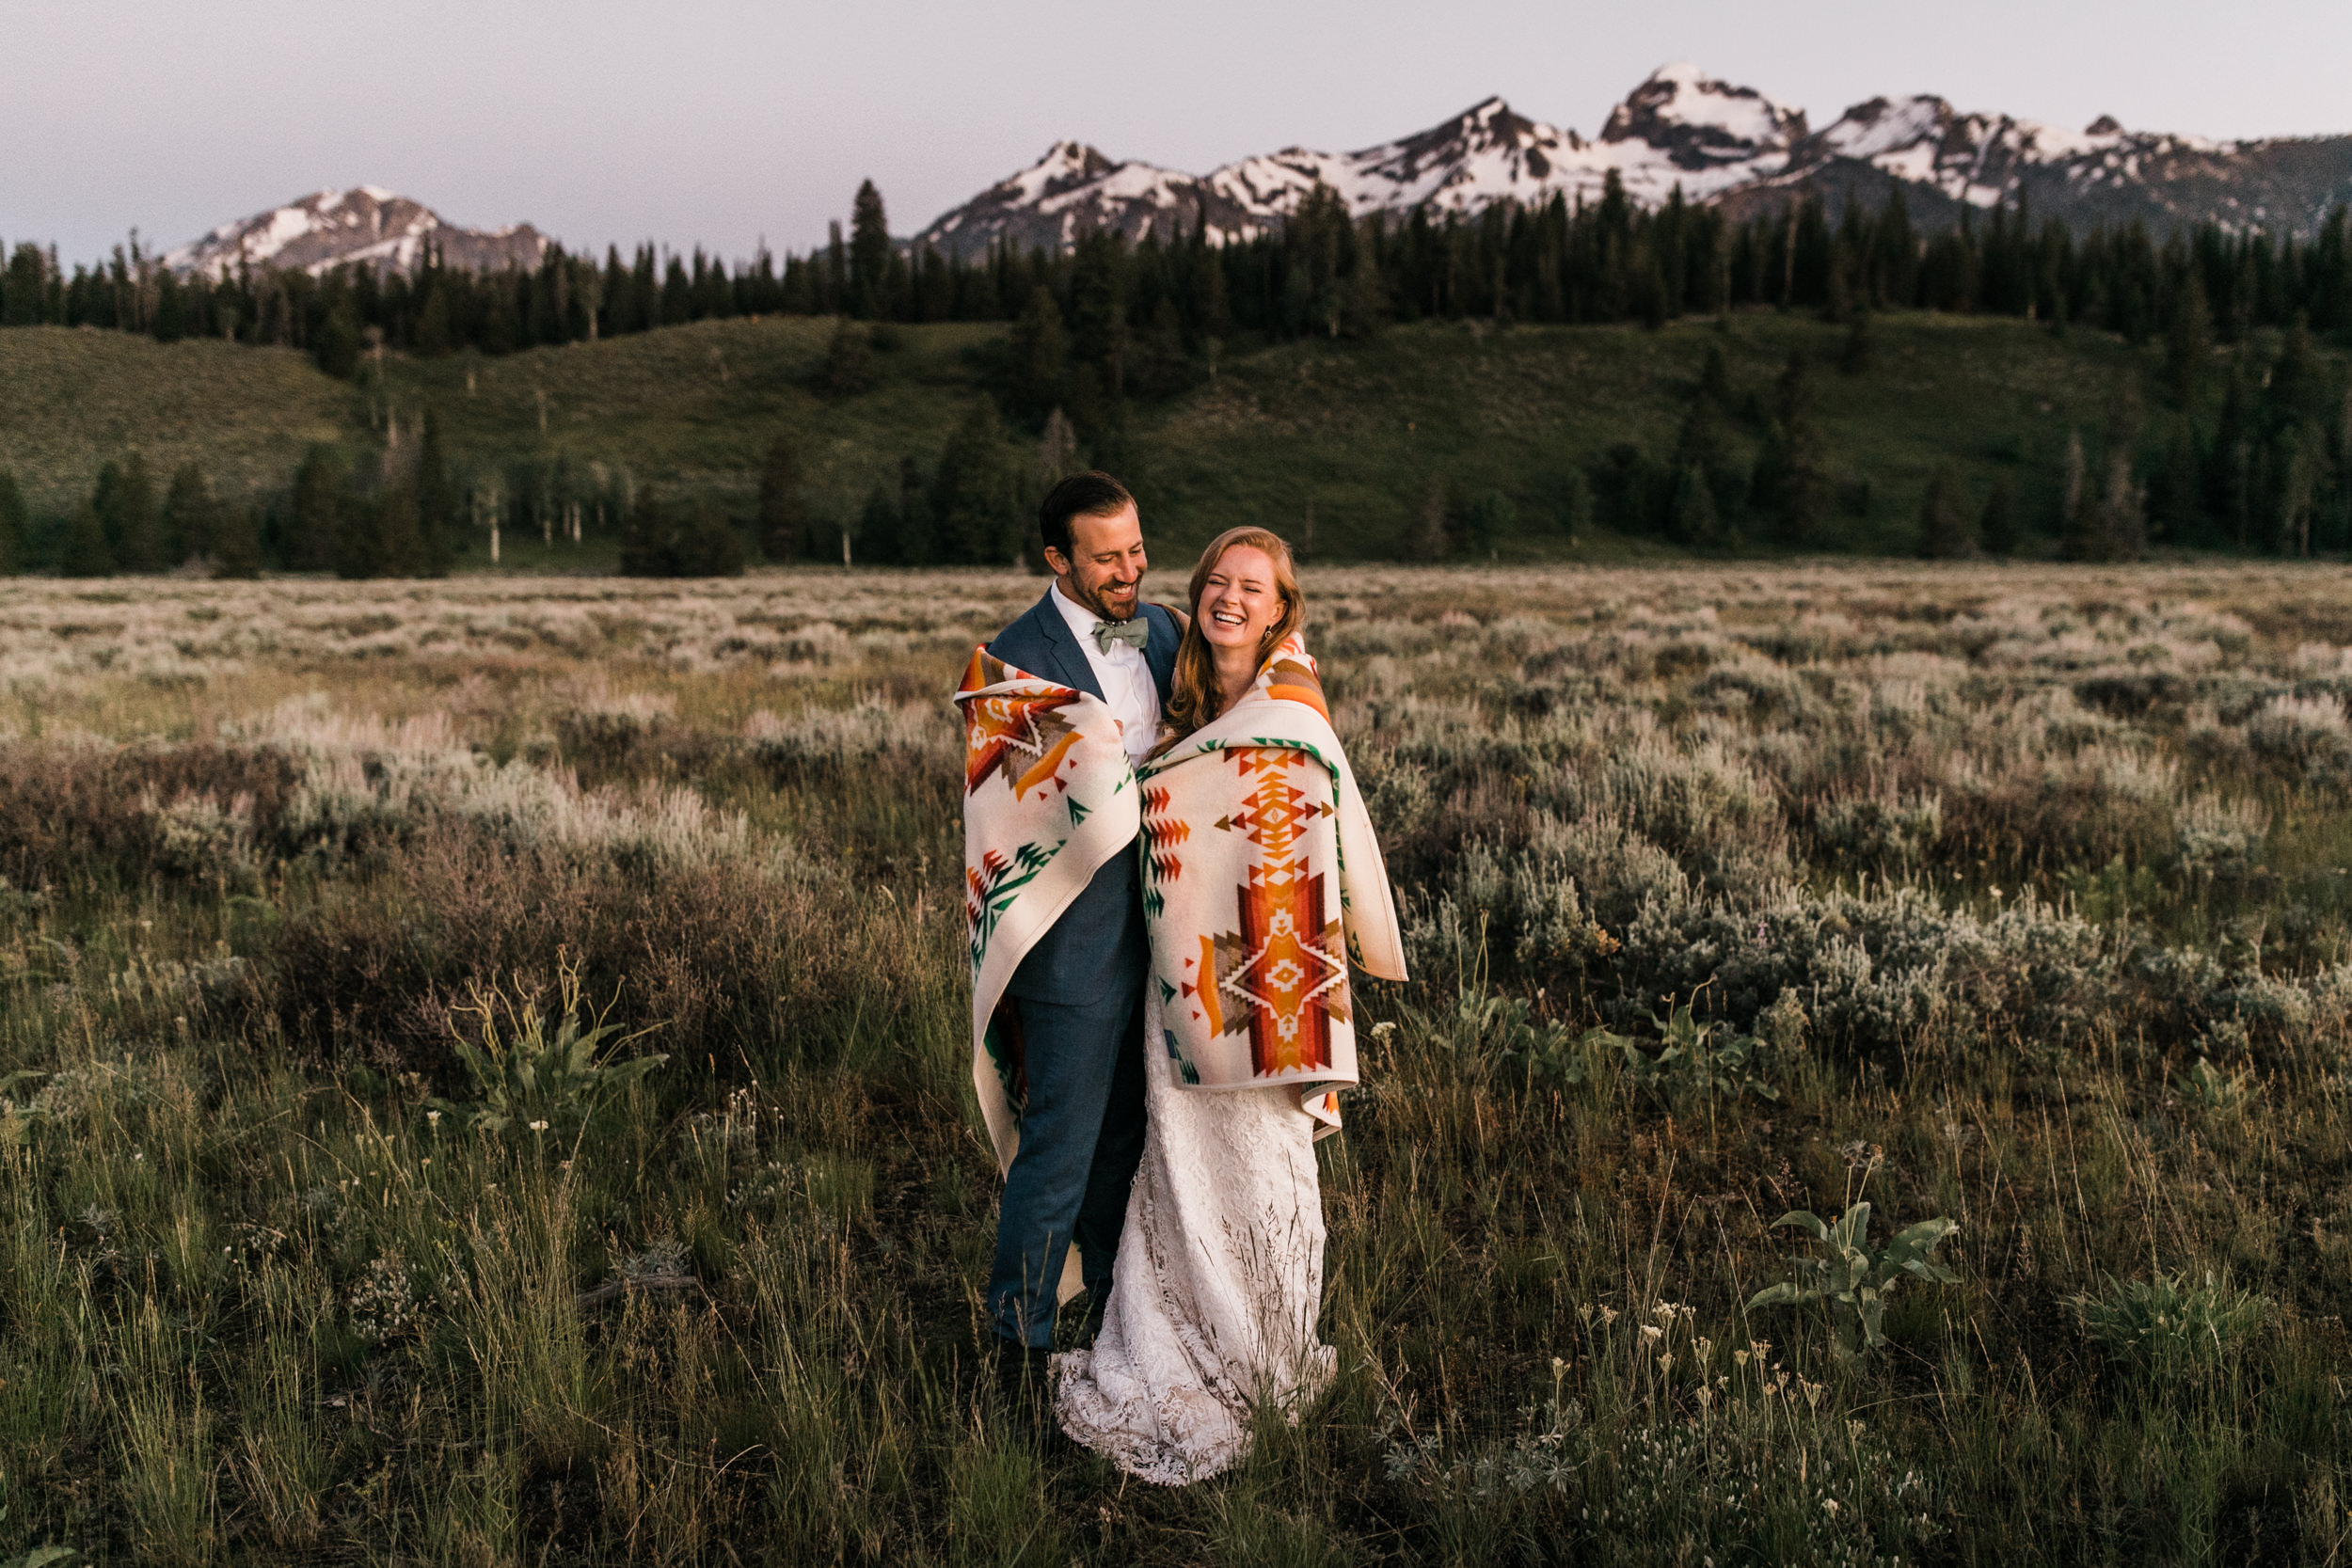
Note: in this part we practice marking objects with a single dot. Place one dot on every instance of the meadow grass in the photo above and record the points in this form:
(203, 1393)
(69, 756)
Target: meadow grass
(1357, 431)
(2002, 895)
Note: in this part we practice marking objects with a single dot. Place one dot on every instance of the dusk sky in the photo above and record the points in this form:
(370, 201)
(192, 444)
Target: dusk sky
(700, 122)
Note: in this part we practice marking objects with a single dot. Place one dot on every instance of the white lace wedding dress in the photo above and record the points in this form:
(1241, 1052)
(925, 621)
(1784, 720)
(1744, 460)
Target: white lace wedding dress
(1217, 1286)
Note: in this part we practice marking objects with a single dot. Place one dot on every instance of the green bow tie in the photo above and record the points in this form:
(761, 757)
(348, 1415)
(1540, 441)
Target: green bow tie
(1134, 633)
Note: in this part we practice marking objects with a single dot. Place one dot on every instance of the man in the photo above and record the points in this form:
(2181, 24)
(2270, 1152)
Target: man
(1078, 993)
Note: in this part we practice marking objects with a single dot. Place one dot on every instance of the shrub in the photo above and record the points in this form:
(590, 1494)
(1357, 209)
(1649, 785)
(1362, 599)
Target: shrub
(1852, 1281)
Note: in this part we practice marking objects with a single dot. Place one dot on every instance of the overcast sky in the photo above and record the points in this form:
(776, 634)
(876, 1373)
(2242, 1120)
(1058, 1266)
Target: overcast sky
(697, 122)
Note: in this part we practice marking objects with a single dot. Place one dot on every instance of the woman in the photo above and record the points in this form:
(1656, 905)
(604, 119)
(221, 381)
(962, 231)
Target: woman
(1262, 879)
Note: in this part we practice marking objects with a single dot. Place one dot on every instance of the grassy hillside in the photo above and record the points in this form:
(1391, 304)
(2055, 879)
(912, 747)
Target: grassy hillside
(70, 399)
(1358, 430)
(1361, 429)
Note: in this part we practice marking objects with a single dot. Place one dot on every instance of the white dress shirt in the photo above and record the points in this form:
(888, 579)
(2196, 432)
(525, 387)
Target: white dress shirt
(1123, 675)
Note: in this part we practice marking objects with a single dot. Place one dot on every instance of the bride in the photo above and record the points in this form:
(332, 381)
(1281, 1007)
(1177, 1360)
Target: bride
(1262, 879)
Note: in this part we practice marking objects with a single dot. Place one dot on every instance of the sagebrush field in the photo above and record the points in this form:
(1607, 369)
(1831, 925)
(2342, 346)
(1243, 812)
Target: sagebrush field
(484, 1077)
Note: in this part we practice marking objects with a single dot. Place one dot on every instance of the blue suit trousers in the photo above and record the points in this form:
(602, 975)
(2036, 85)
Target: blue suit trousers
(1069, 1181)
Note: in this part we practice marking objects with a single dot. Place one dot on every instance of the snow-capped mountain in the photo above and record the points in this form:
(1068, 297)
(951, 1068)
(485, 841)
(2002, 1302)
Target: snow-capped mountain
(366, 226)
(2100, 174)
(1719, 142)
(1678, 127)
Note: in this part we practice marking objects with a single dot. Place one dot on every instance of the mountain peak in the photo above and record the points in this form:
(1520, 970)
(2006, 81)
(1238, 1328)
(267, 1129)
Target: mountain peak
(365, 226)
(1701, 122)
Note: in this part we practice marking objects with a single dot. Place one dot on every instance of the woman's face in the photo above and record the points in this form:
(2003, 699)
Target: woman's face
(1240, 600)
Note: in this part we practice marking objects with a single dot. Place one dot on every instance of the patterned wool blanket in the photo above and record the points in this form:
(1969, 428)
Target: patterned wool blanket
(1262, 879)
(1048, 799)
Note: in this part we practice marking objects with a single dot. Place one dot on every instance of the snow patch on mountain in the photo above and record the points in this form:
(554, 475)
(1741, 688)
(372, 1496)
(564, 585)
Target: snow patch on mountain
(1682, 108)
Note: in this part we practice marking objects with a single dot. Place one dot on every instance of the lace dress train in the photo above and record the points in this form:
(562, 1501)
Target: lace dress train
(1217, 1285)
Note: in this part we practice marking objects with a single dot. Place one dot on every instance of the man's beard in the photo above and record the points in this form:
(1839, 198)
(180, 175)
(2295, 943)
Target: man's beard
(1088, 598)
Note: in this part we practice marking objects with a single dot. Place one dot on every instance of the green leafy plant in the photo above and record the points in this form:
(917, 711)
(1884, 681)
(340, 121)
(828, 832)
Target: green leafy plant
(1508, 1029)
(2169, 1324)
(1855, 1281)
(539, 1073)
(1697, 1058)
(1546, 1050)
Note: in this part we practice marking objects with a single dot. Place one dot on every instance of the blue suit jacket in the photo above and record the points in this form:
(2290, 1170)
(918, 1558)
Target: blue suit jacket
(1098, 945)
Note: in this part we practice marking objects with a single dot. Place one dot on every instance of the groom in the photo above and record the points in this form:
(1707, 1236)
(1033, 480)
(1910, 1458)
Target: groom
(1078, 997)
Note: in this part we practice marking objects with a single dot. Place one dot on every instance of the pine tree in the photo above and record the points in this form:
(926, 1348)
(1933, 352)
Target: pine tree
(878, 538)
(125, 501)
(645, 538)
(2176, 505)
(1160, 369)
(85, 553)
(23, 295)
(1703, 448)
(2187, 337)
(440, 505)
(171, 309)
(1695, 518)
(338, 349)
(1946, 532)
(190, 518)
(318, 506)
(918, 541)
(975, 494)
(870, 253)
(379, 537)
(1490, 520)
(1793, 479)
(1037, 367)
(645, 287)
(434, 335)
(849, 360)
(1364, 297)
(15, 526)
(2229, 484)
(237, 549)
(1057, 455)
(2297, 389)
(783, 508)
(1998, 531)
(706, 546)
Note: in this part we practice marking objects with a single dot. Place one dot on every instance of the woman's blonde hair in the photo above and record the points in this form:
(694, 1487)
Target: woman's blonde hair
(1194, 696)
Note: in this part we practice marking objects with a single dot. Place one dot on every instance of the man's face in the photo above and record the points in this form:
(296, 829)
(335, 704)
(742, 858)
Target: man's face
(1103, 571)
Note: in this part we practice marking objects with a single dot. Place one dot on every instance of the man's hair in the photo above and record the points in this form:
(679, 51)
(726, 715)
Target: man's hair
(1092, 493)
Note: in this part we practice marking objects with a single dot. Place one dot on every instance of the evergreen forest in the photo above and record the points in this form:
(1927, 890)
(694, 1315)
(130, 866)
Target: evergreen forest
(2196, 393)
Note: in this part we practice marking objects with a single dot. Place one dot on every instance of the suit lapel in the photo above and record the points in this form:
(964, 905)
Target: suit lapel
(1076, 670)
(1159, 653)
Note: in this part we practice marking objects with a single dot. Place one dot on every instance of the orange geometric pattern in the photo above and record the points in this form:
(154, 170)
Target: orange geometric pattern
(1162, 834)
(1023, 738)
(1283, 977)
